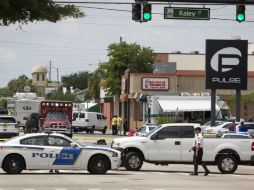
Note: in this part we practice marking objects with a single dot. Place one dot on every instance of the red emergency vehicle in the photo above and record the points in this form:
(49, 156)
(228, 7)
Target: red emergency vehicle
(56, 116)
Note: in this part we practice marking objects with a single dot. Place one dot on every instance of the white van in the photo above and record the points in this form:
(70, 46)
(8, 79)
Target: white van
(25, 107)
(89, 122)
(8, 126)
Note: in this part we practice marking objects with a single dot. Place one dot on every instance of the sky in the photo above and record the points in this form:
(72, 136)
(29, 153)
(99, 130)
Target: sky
(75, 45)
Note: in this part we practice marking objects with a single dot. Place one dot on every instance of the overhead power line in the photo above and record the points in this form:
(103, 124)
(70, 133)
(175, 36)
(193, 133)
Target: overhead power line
(165, 2)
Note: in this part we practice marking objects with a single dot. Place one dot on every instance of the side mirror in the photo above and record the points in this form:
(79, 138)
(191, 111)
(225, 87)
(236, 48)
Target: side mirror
(154, 137)
(73, 145)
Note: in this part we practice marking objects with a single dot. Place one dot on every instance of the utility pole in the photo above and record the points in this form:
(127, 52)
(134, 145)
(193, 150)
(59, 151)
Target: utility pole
(57, 75)
(50, 70)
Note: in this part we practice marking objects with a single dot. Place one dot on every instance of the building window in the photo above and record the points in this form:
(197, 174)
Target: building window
(38, 77)
(43, 77)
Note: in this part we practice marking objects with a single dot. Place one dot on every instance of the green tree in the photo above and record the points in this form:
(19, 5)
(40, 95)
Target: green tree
(124, 56)
(59, 95)
(76, 80)
(17, 85)
(94, 83)
(24, 11)
(245, 101)
(5, 92)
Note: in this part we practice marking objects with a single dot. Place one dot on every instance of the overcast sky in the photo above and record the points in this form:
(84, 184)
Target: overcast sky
(75, 45)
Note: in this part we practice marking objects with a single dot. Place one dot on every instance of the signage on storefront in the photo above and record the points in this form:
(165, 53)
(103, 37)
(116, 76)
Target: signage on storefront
(155, 83)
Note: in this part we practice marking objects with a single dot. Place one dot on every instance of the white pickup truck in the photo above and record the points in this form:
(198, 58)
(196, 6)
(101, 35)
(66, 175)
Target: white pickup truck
(170, 144)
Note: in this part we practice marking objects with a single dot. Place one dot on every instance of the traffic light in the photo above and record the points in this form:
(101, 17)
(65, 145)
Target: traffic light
(240, 10)
(147, 12)
(136, 11)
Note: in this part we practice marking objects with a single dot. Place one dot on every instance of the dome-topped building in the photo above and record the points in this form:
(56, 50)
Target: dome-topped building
(39, 69)
(39, 79)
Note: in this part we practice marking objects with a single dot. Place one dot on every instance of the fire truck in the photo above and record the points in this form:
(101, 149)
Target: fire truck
(56, 116)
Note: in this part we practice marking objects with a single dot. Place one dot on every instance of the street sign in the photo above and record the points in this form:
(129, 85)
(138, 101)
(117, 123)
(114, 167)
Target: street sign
(186, 13)
(226, 64)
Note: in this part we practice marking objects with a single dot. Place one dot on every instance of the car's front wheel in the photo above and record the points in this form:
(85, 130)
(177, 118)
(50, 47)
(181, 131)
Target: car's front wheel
(13, 164)
(133, 161)
(99, 164)
(227, 164)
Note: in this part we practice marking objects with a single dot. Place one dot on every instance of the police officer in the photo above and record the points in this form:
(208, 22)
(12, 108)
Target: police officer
(198, 152)
(119, 125)
(114, 125)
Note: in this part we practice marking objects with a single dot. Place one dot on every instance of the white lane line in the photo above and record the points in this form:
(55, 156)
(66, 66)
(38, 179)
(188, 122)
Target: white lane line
(161, 173)
(139, 173)
(183, 174)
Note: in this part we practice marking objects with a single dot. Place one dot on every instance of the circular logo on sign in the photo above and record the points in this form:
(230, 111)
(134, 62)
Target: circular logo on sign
(226, 59)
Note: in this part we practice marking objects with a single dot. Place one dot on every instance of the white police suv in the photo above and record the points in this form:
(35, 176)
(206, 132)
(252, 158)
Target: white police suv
(42, 151)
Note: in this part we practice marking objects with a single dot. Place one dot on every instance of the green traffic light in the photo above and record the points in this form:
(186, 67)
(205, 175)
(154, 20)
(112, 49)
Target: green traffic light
(147, 16)
(240, 17)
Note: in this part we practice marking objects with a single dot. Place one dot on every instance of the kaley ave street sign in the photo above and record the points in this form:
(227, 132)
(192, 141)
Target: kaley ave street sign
(186, 13)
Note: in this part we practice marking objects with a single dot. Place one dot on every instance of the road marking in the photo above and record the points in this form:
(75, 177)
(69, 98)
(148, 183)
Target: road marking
(184, 174)
(161, 173)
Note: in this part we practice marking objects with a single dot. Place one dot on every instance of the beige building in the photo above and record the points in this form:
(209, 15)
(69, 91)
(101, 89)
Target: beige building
(188, 75)
(40, 82)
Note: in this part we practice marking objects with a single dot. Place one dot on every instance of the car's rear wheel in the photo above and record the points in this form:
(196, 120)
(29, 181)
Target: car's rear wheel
(133, 161)
(13, 164)
(104, 130)
(227, 164)
(92, 130)
(99, 164)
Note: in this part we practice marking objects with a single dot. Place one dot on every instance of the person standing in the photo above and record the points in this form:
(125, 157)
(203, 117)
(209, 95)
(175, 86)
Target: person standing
(114, 125)
(242, 128)
(125, 127)
(119, 125)
(197, 148)
(232, 127)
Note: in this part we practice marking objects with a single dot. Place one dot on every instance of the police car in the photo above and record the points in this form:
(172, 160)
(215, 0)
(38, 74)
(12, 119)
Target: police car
(42, 151)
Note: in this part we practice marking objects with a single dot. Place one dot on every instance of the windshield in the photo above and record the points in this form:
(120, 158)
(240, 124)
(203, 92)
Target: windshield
(7, 120)
(153, 130)
(56, 116)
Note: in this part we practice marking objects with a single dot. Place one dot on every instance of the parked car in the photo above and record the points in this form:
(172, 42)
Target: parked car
(208, 124)
(218, 130)
(89, 122)
(249, 126)
(8, 126)
(142, 131)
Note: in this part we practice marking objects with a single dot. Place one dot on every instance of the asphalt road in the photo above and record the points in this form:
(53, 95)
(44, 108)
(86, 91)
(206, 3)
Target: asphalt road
(151, 177)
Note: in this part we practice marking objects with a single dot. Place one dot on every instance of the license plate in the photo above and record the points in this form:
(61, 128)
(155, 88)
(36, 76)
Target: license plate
(5, 127)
